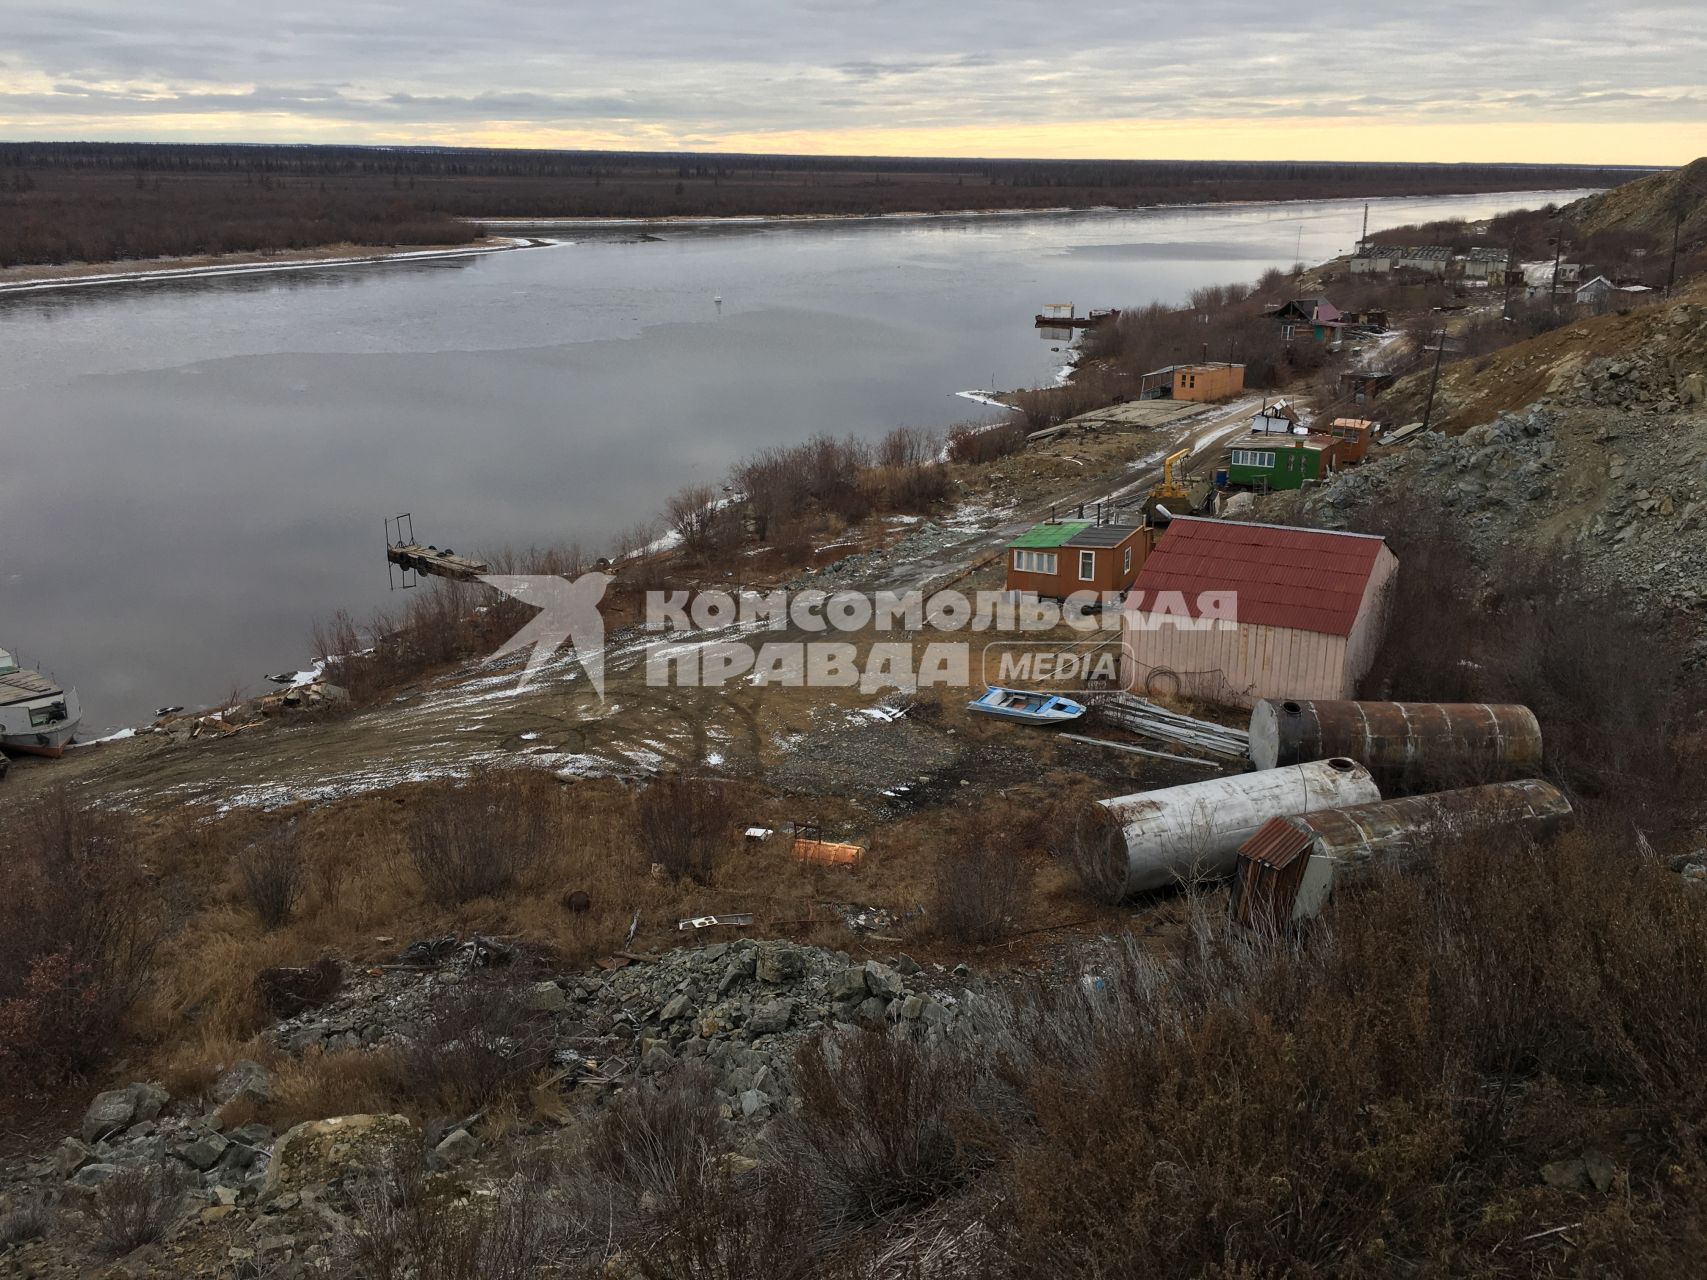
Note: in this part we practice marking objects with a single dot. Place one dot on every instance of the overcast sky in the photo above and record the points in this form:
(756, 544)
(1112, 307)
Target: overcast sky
(1554, 80)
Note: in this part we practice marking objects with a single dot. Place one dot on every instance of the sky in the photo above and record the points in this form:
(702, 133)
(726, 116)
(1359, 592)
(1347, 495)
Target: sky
(1555, 81)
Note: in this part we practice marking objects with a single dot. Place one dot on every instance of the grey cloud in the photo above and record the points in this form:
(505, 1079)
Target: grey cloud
(697, 72)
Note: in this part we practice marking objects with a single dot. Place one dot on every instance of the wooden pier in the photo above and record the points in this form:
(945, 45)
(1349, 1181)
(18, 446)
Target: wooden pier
(432, 560)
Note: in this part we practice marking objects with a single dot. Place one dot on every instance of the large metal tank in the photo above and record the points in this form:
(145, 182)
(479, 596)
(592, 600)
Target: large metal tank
(1447, 743)
(1287, 870)
(1190, 832)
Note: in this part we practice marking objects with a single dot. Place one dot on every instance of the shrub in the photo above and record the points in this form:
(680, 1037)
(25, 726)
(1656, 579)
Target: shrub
(134, 1207)
(881, 1125)
(653, 1179)
(30, 1217)
(272, 875)
(685, 825)
(977, 445)
(412, 1227)
(983, 879)
(479, 1045)
(79, 929)
(479, 837)
(694, 514)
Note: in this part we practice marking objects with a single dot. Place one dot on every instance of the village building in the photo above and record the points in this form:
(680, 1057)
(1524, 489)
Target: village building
(1592, 293)
(1484, 264)
(1217, 381)
(1431, 259)
(1277, 419)
(1355, 436)
(1266, 464)
(1314, 318)
(1233, 613)
(1363, 385)
(1054, 559)
(1374, 259)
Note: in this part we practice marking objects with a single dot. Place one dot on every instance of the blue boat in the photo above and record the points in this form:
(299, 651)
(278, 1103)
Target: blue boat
(1021, 704)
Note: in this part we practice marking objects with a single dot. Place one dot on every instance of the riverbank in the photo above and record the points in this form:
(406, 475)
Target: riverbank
(75, 275)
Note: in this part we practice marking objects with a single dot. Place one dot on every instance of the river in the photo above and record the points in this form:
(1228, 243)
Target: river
(193, 471)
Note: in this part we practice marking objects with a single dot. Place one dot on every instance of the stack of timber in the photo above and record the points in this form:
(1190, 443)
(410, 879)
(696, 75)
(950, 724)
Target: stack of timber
(1150, 720)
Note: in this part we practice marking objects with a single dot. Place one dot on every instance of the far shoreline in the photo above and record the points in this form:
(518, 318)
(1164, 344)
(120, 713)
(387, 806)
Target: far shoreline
(40, 278)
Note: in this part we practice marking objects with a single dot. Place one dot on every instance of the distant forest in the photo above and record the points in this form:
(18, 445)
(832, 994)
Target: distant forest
(66, 202)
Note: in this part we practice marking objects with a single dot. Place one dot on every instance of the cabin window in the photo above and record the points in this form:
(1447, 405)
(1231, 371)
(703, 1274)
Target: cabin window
(1087, 566)
(1126, 561)
(1286, 332)
(53, 713)
(1252, 458)
(1034, 562)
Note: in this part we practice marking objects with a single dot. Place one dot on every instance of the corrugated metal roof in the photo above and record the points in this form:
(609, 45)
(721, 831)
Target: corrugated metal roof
(1277, 843)
(1048, 535)
(1103, 535)
(1302, 579)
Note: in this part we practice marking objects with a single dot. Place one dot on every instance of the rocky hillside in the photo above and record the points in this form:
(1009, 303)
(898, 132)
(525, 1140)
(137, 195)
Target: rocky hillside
(1474, 391)
(1650, 205)
(1594, 437)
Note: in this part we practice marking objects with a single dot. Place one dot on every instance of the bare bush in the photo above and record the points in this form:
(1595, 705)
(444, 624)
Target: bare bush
(272, 874)
(654, 1179)
(981, 444)
(134, 1207)
(479, 1045)
(685, 825)
(30, 1217)
(882, 1124)
(79, 929)
(410, 1228)
(694, 514)
(1090, 846)
(983, 879)
(479, 837)
(906, 447)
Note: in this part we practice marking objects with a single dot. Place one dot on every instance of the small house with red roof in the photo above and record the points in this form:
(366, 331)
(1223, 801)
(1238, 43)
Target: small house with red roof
(1315, 318)
(1232, 612)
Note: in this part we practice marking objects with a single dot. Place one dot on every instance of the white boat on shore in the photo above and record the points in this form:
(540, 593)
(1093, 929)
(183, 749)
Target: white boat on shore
(37, 715)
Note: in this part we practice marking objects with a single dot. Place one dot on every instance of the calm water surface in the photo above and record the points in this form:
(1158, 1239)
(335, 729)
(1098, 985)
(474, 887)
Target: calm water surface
(194, 471)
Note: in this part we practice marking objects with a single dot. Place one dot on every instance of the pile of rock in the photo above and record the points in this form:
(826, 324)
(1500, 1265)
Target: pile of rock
(132, 1127)
(742, 1008)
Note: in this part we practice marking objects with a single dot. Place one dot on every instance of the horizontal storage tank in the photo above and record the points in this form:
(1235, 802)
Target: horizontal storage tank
(1445, 742)
(1288, 868)
(1179, 834)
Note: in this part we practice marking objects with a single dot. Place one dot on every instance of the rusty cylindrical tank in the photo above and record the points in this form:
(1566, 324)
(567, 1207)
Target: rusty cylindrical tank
(1448, 742)
(1338, 845)
(1194, 831)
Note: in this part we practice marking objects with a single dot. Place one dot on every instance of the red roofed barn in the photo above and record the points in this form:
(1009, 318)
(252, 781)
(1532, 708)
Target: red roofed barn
(1233, 612)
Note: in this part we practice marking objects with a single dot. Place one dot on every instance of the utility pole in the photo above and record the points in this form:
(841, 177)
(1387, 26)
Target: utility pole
(1671, 276)
(1558, 250)
(1433, 382)
(1364, 238)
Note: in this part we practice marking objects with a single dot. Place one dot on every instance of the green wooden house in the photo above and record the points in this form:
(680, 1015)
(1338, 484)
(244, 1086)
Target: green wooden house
(1282, 462)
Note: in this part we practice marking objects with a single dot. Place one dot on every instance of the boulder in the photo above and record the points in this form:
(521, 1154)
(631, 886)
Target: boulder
(317, 1152)
(204, 1152)
(546, 997)
(778, 963)
(848, 986)
(1566, 1175)
(150, 1099)
(457, 1146)
(770, 1017)
(247, 1080)
(93, 1175)
(108, 1113)
(882, 981)
(70, 1156)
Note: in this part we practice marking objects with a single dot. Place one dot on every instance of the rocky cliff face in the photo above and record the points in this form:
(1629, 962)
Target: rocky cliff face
(1611, 462)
